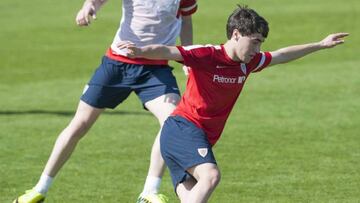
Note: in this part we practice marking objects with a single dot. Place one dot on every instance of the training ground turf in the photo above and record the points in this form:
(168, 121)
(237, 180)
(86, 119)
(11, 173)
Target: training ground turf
(293, 136)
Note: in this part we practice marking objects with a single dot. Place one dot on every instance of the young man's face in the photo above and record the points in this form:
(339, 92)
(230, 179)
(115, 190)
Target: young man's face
(248, 46)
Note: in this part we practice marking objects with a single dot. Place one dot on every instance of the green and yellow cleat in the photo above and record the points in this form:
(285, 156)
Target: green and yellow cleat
(30, 196)
(153, 198)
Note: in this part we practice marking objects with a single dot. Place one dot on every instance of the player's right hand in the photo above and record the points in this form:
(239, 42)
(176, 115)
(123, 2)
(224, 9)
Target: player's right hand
(85, 14)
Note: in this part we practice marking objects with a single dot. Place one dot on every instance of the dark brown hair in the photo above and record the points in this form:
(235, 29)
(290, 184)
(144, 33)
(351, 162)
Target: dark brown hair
(247, 21)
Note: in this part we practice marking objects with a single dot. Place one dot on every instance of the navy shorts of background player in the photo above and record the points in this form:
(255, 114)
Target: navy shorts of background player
(113, 81)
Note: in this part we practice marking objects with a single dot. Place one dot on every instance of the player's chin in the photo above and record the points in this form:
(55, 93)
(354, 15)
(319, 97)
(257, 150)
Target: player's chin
(249, 58)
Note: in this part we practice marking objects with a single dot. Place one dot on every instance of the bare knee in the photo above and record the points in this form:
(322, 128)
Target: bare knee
(77, 129)
(84, 118)
(213, 178)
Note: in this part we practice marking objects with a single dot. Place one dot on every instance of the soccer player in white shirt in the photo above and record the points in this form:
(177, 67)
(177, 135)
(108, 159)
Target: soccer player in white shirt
(143, 22)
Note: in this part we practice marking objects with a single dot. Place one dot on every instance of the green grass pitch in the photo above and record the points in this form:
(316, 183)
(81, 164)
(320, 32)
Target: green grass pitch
(293, 136)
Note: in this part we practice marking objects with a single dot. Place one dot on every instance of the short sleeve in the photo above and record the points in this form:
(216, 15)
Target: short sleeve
(260, 61)
(196, 55)
(187, 7)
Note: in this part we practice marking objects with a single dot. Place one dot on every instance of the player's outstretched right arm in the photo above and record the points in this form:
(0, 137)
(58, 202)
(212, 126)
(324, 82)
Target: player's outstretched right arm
(88, 11)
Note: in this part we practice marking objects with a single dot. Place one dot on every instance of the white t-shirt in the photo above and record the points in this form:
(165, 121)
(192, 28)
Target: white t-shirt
(145, 22)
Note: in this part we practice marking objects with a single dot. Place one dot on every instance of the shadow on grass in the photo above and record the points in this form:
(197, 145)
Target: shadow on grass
(66, 113)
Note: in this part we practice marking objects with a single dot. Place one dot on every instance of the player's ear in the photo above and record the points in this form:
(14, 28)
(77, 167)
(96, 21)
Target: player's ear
(235, 35)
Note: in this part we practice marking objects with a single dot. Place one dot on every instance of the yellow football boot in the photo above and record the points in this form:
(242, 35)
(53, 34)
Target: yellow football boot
(30, 196)
(153, 198)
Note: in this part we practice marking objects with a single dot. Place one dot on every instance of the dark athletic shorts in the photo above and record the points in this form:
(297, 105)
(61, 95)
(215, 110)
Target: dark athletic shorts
(183, 145)
(113, 82)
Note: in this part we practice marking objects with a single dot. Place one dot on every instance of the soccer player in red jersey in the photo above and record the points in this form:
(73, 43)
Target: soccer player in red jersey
(216, 78)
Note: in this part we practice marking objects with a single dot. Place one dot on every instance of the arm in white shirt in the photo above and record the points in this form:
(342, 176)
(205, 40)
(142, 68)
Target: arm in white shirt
(186, 36)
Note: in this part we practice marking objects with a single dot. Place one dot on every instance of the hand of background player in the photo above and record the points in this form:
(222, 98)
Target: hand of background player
(333, 40)
(85, 14)
(131, 50)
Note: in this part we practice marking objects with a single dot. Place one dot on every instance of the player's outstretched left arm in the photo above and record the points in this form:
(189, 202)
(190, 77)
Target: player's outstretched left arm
(290, 53)
(153, 51)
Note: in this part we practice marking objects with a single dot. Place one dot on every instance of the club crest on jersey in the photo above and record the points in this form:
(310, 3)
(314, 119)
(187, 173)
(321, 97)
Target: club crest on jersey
(203, 151)
(243, 68)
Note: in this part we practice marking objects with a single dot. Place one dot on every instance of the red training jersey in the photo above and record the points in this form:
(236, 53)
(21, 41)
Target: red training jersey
(214, 84)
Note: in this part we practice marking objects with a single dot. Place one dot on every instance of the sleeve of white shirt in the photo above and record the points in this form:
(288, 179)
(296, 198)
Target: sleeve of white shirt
(187, 7)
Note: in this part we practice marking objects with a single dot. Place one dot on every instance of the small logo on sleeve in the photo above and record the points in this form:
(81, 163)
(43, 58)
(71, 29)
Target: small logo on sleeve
(203, 151)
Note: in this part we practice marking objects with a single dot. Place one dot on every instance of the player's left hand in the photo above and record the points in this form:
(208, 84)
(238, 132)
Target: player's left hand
(333, 40)
(131, 50)
(124, 44)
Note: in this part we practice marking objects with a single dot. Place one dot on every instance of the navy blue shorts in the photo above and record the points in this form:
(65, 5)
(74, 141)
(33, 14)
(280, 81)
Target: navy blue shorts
(183, 145)
(113, 82)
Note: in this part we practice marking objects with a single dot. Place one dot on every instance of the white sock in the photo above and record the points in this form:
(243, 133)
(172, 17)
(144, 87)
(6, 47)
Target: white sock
(44, 184)
(152, 185)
